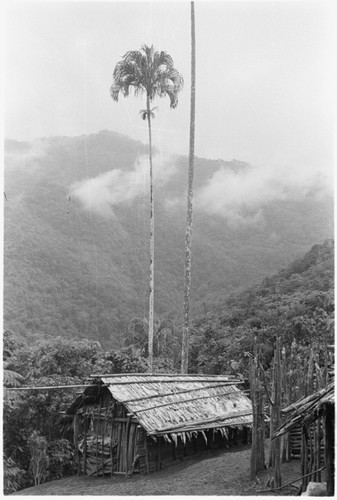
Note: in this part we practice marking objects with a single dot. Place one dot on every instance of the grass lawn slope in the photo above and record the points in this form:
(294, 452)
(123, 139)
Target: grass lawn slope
(224, 473)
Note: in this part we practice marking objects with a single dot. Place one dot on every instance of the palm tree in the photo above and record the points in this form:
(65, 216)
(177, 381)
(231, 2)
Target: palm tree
(188, 237)
(152, 73)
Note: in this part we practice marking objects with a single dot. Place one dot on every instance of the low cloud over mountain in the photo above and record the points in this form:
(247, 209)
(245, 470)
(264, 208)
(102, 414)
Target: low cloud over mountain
(80, 268)
(119, 187)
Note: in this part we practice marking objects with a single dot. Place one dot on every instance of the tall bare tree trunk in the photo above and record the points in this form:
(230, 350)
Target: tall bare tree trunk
(188, 238)
(275, 417)
(151, 292)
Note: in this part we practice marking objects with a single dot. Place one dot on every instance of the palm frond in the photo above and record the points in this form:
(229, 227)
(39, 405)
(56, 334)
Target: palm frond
(144, 113)
(147, 71)
(12, 379)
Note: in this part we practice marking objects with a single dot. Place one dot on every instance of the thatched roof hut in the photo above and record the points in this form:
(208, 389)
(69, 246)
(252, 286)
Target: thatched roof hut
(315, 415)
(129, 414)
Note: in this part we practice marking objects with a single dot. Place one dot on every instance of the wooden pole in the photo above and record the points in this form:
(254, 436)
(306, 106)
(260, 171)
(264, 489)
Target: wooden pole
(47, 387)
(288, 484)
(97, 432)
(276, 414)
(311, 443)
(193, 424)
(170, 380)
(111, 437)
(127, 445)
(304, 458)
(160, 375)
(183, 401)
(84, 439)
(103, 432)
(174, 393)
(253, 454)
(257, 461)
(261, 432)
(146, 456)
(188, 235)
(329, 419)
(76, 423)
(119, 437)
(272, 425)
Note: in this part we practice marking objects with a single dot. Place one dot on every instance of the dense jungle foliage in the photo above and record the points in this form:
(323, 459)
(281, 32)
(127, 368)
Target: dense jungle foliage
(296, 304)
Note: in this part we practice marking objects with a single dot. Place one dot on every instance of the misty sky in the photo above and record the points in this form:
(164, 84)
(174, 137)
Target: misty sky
(264, 76)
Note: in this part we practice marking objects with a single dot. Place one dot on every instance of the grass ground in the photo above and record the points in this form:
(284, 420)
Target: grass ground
(220, 473)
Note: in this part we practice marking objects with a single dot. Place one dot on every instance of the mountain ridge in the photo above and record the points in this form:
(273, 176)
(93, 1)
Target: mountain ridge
(69, 270)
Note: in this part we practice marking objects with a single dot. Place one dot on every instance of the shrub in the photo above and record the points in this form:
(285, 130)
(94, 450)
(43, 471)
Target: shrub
(39, 458)
(61, 459)
(12, 476)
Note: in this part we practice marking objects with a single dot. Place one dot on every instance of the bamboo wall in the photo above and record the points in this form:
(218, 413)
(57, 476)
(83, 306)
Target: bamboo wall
(313, 452)
(105, 438)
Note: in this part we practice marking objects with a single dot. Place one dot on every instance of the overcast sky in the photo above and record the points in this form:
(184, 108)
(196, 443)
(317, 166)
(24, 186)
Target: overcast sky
(264, 75)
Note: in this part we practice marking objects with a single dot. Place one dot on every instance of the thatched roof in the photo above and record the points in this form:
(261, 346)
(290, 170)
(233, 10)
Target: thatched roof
(306, 410)
(171, 404)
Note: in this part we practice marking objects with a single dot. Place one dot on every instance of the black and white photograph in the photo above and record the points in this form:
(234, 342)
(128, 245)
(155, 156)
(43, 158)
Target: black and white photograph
(168, 248)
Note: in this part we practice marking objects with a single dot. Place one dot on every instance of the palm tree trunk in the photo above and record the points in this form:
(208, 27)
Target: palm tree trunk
(188, 237)
(151, 293)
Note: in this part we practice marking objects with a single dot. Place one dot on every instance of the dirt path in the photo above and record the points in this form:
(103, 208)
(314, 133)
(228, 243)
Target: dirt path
(226, 473)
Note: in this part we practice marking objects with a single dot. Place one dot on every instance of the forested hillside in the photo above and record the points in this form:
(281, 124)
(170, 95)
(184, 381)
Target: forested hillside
(296, 304)
(76, 249)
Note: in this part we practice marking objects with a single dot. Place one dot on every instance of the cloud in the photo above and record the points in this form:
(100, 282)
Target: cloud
(21, 154)
(240, 195)
(119, 187)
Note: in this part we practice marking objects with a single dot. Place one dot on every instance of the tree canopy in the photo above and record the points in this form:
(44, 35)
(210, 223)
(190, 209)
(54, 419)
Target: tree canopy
(147, 71)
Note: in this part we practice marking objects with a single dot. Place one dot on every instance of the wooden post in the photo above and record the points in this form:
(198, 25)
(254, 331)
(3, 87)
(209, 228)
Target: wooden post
(310, 377)
(84, 440)
(329, 418)
(111, 437)
(127, 444)
(121, 449)
(317, 451)
(146, 456)
(253, 455)
(276, 414)
(311, 448)
(261, 432)
(304, 458)
(97, 432)
(257, 459)
(103, 431)
(303, 464)
(78, 460)
(272, 428)
(286, 384)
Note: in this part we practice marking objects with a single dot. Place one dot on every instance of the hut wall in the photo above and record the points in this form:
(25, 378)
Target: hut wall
(296, 441)
(106, 438)
(330, 447)
(312, 452)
